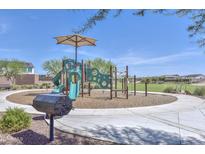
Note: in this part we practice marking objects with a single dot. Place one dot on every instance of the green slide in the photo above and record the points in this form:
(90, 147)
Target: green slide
(56, 79)
(59, 88)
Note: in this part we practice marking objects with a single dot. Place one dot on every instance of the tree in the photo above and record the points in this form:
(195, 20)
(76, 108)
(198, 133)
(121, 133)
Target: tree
(102, 65)
(11, 69)
(53, 66)
(146, 80)
(196, 28)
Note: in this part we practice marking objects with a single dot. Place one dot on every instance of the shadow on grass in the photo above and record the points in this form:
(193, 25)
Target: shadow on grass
(140, 136)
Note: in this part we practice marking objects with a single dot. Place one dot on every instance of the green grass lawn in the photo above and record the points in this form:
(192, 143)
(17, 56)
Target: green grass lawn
(160, 87)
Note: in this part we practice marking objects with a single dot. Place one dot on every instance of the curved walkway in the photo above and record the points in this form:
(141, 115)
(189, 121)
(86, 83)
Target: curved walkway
(4, 103)
(180, 122)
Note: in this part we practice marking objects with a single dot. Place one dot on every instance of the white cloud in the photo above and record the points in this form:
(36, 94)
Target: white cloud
(3, 28)
(135, 60)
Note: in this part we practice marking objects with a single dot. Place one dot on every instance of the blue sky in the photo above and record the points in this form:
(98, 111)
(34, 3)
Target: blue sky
(149, 45)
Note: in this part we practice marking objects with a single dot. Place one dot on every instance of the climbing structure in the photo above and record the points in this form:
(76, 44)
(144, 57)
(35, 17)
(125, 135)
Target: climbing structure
(73, 75)
(115, 79)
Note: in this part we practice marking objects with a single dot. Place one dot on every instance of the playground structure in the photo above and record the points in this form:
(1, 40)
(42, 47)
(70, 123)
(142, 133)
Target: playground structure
(115, 77)
(71, 79)
(74, 75)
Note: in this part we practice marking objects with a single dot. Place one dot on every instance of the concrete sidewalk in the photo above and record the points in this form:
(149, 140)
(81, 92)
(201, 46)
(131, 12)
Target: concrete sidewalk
(4, 103)
(180, 122)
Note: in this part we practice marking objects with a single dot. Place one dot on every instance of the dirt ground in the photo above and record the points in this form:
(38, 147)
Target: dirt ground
(38, 134)
(101, 99)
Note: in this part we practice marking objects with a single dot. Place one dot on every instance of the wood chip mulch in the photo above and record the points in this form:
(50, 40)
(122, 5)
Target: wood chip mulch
(100, 99)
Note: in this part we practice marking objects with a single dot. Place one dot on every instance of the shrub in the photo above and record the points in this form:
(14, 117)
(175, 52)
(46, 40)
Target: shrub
(15, 87)
(199, 91)
(36, 86)
(41, 87)
(187, 92)
(29, 87)
(14, 120)
(45, 85)
(48, 85)
(169, 90)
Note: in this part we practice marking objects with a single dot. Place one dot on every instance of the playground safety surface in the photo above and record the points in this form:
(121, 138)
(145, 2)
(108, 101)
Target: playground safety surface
(100, 99)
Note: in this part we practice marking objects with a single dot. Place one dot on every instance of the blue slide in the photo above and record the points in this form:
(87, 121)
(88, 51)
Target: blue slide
(74, 90)
(74, 83)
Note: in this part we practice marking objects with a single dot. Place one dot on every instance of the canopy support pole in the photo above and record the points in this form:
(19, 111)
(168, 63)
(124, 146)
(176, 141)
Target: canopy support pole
(76, 47)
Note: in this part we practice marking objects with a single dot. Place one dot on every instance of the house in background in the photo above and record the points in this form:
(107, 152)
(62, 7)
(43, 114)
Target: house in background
(28, 77)
(195, 78)
(171, 78)
(29, 68)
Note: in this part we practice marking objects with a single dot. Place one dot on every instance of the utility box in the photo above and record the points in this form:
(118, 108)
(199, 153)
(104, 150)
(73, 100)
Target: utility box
(54, 104)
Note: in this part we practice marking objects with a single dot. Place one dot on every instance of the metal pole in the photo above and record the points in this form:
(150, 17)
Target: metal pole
(82, 79)
(89, 66)
(76, 46)
(115, 81)
(134, 85)
(145, 88)
(85, 68)
(62, 74)
(89, 88)
(126, 82)
(122, 85)
(110, 82)
(51, 127)
(66, 80)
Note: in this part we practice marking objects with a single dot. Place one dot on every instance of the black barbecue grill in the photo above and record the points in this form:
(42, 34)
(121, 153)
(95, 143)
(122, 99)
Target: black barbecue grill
(55, 104)
(52, 105)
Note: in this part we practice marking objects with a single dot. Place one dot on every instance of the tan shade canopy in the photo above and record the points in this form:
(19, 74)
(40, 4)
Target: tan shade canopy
(75, 40)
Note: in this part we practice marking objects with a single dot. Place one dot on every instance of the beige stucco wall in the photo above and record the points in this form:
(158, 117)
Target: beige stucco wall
(3, 80)
(27, 79)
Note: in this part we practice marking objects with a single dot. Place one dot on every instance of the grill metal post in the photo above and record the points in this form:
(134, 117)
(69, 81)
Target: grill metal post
(51, 127)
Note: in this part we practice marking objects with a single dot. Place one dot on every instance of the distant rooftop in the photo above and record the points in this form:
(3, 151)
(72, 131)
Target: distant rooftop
(171, 75)
(194, 75)
(28, 64)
